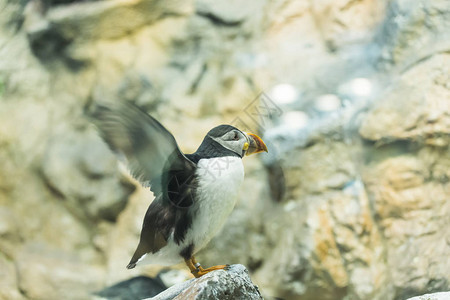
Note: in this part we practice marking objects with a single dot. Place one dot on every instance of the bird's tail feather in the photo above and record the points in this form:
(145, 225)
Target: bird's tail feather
(131, 265)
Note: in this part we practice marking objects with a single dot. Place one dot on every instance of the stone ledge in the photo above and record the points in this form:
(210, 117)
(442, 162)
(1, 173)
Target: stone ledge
(433, 296)
(234, 283)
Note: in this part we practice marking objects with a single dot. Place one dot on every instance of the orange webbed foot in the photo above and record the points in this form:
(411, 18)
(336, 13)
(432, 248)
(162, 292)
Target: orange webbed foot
(198, 271)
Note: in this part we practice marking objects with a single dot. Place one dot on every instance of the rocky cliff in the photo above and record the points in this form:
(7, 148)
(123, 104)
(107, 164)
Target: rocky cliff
(233, 283)
(351, 201)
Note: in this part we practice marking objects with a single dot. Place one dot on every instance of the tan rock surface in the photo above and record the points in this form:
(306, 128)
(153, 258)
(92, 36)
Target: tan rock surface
(362, 210)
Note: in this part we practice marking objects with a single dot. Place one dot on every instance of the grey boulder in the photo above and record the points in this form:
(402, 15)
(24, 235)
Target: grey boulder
(233, 283)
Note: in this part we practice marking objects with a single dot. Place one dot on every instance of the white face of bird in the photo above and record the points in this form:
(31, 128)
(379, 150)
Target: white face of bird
(241, 143)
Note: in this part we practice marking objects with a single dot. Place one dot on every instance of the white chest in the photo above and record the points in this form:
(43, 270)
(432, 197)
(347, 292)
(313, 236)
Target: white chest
(219, 183)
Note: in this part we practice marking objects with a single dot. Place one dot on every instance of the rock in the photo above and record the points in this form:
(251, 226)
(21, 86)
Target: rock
(363, 206)
(119, 240)
(432, 296)
(233, 283)
(64, 25)
(46, 273)
(9, 280)
(135, 288)
(226, 13)
(410, 206)
(322, 238)
(81, 169)
(345, 22)
(414, 107)
(173, 292)
(409, 25)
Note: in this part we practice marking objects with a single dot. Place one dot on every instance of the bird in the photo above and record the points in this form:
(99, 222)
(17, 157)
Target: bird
(194, 193)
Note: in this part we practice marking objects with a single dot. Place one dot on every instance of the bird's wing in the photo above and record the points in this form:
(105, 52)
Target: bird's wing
(154, 159)
(150, 149)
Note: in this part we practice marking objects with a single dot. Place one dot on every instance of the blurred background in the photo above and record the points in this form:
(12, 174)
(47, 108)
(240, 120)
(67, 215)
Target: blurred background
(351, 97)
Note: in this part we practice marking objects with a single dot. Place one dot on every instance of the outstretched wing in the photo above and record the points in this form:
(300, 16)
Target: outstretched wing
(154, 159)
(150, 149)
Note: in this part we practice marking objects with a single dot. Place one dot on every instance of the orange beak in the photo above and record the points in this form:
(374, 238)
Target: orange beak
(256, 144)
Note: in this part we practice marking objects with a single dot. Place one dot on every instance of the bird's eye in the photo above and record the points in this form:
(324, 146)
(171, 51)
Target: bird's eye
(236, 136)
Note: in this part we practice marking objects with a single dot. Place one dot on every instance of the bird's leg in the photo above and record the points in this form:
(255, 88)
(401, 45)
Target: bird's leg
(198, 270)
(191, 265)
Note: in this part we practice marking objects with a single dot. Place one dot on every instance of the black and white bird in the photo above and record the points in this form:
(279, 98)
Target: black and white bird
(194, 193)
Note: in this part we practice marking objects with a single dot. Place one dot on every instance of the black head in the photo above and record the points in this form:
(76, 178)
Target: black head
(223, 140)
(227, 140)
(229, 137)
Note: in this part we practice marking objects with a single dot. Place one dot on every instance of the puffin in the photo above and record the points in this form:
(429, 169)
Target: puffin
(194, 193)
